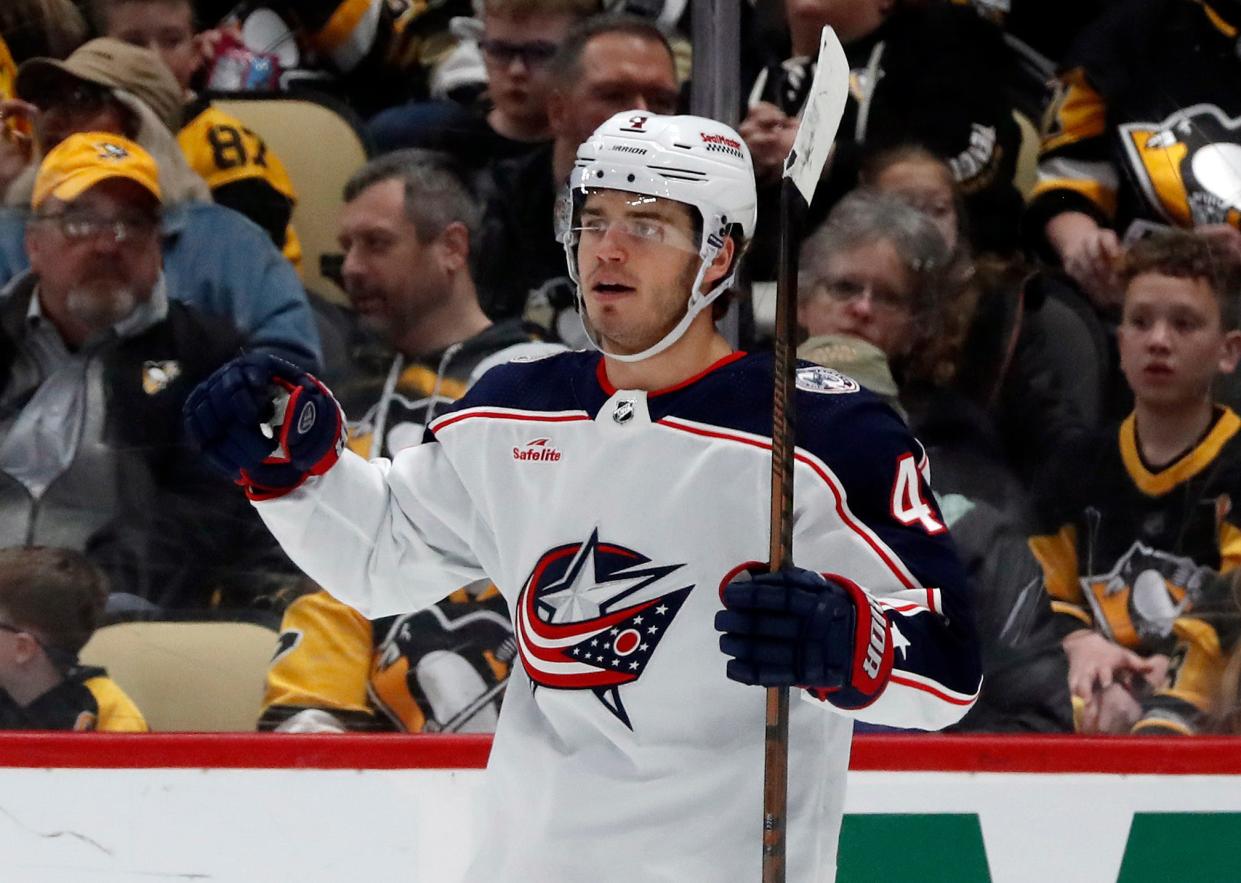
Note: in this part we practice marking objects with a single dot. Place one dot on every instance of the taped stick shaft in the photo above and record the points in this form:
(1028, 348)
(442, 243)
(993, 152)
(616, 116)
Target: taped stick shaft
(776, 739)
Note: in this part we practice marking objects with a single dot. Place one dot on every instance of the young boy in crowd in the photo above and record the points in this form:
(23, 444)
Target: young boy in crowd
(50, 602)
(1138, 527)
(237, 164)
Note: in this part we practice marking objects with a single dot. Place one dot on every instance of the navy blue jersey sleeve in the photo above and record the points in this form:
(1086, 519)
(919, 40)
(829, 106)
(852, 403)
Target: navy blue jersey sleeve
(902, 555)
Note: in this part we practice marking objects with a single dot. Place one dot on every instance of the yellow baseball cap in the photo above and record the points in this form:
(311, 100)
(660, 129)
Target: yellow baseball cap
(83, 160)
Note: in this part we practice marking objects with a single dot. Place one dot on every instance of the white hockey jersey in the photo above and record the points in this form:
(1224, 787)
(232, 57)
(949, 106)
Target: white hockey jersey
(608, 518)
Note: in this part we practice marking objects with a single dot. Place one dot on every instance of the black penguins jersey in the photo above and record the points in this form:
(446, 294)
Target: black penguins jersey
(442, 669)
(86, 700)
(1146, 126)
(1138, 554)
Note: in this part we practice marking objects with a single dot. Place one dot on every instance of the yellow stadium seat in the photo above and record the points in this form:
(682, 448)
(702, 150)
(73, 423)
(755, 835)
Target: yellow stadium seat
(320, 147)
(194, 677)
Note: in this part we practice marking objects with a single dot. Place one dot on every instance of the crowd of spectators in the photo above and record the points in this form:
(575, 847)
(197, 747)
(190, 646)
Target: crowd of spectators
(1059, 331)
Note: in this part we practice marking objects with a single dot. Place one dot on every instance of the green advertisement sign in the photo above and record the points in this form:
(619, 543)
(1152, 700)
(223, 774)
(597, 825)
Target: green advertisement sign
(949, 848)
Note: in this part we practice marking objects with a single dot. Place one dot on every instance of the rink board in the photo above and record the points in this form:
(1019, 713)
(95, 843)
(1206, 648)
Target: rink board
(249, 808)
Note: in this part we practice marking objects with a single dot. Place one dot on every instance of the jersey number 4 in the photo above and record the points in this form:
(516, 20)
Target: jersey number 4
(909, 506)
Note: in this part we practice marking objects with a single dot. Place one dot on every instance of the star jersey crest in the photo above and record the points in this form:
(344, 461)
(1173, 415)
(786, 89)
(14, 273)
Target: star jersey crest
(590, 617)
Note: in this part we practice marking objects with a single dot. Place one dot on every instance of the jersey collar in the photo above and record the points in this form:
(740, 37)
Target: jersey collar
(601, 372)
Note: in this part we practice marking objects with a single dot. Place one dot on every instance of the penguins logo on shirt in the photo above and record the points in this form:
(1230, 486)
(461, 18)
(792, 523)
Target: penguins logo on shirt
(1143, 594)
(590, 617)
(1189, 165)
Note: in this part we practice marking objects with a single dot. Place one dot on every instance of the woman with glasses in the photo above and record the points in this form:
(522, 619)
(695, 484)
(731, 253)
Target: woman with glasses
(886, 300)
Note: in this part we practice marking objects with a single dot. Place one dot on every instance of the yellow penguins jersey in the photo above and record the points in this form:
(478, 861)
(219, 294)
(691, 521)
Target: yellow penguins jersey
(86, 700)
(8, 72)
(1141, 555)
(225, 153)
(1145, 130)
(8, 89)
(441, 669)
(399, 35)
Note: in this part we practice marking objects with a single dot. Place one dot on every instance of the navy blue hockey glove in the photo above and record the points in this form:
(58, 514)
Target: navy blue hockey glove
(796, 627)
(266, 424)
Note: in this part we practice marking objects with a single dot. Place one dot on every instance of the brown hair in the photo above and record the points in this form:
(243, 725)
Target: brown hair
(41, 28)
(1187, 255)
(566, 65)
(100, 9)
(579, 9)
(57, 594)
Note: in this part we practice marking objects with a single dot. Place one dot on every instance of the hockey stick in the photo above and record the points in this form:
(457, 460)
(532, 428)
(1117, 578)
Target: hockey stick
(820, 119)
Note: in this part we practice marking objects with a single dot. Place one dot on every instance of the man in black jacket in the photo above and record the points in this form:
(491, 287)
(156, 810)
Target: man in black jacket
(95, 362)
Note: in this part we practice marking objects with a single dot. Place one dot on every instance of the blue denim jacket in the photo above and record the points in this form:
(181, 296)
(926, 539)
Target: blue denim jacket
(220, 262)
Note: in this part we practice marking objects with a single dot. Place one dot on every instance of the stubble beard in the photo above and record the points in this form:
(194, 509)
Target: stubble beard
(636, 339)
(99, 309)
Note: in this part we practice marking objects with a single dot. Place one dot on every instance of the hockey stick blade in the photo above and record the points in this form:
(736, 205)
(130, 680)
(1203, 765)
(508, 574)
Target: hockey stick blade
(820, 116)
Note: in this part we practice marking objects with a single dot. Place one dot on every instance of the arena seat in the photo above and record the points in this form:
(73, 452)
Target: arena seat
(1026, 175)
(321, 144)
(188, 676)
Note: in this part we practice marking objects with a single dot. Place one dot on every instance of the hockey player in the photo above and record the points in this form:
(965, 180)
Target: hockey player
(612, 497)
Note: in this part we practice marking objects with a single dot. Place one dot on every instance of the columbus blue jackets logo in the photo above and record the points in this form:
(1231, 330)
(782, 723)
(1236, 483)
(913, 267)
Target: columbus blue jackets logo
(825, 380)
(591, 616)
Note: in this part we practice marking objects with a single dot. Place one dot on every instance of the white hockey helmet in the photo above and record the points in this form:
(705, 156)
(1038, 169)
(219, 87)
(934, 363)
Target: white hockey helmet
(693, 160)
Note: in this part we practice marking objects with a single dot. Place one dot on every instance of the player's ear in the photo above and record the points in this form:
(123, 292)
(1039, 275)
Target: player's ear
(1230, 352)
(720, 263)
(453, 247)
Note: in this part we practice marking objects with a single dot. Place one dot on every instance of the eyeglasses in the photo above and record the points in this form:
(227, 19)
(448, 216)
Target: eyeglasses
(80, 98)
(504, 52)
(83, 226)
(845, 289)
(639, 231)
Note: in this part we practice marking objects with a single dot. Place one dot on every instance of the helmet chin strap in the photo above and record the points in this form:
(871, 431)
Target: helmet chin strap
(695, 305)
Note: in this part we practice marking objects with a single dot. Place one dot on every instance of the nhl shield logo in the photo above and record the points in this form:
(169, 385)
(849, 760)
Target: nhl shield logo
(590, 617)
(814, 378)
(624, 411)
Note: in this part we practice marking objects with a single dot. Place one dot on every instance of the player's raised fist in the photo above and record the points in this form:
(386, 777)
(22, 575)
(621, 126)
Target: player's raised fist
(796, 627)
(265, 423)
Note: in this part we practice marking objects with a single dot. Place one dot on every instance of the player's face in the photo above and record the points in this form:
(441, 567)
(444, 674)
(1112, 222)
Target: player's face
(619, 72)
(637, 259)
(166, 28)
(97, 257)
(928, 187)
(391, 277)
(517, 52)
(1172, 343)
(866, 292)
